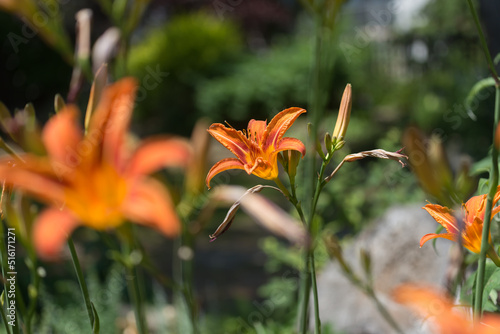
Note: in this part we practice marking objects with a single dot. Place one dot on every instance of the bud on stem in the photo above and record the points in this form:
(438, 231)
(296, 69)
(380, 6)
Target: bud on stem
(344, 114)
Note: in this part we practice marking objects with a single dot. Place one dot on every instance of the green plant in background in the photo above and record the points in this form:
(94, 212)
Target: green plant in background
(267, 82)
(258, 85)
(188, 49)
(65, 314)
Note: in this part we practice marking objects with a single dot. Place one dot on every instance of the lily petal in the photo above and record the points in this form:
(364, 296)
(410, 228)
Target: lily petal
(497, 196)
(427, 237)
(291, 144)
(61, 135)
(50, 231)
(224, 164)
(150, 204)
(495, 211)
(280, 124)
(256, 130)
(443, 216)
(490, 324)
(112, 118)
(232, 139)
(434, 306)
(475, 207)
(473, 235)
(33, 177)
(156, 153)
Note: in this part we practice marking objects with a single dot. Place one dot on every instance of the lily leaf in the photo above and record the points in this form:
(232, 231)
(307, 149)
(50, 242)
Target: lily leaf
(476, 89)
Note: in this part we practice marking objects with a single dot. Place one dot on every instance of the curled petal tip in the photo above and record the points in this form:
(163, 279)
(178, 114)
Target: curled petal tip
(223, 165)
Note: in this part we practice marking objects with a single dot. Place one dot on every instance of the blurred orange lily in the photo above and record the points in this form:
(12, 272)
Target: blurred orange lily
(470, 231)
(257, 149)
(430, 303)
(96, 179)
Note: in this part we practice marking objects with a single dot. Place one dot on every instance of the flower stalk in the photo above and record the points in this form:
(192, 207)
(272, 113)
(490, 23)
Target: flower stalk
(81, 281)
(485, 245)
(131, 257)
(493, 181)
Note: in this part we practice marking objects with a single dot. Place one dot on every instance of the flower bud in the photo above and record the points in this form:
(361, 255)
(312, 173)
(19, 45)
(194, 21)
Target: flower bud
(197, 169)
(344, 114)
(328, 142)
(59, 103)
(293, 161)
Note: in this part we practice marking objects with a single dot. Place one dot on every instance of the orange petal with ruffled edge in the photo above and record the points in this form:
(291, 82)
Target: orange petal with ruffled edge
(475, 207)
(443, 216)
(61, 135)
(291, 144)
(427, 237)
(280, 124)
(156, 153)
(233, 140)
(223, 165)
(150, 204)
(50, 231)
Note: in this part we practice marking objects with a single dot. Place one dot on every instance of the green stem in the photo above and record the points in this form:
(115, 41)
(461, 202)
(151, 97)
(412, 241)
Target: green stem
(305, 288)
(485, 245)
(36, 280)
(310, 279)
(284, 190)
(367, 288)
(81, 281)
(133, 286)
(135, 291)
(21, 308)
(317, 328)
(184, 278)
(382, 310)
(318, 98)
(305, 283)
(482, 40)
(494, 256)
(4, 318)
(165, 281)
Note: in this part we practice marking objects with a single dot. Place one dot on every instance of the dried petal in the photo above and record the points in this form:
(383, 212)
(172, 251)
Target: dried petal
(262, 210)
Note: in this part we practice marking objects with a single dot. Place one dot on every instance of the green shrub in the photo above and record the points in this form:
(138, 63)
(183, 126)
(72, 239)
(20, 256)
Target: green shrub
(187, 49)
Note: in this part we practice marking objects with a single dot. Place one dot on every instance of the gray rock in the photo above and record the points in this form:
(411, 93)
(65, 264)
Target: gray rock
(393, 243)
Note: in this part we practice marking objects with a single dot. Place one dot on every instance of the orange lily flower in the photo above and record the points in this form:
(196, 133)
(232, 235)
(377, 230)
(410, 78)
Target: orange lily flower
(441, 311)
(95, 179)
(470, 232)
(257, 149)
